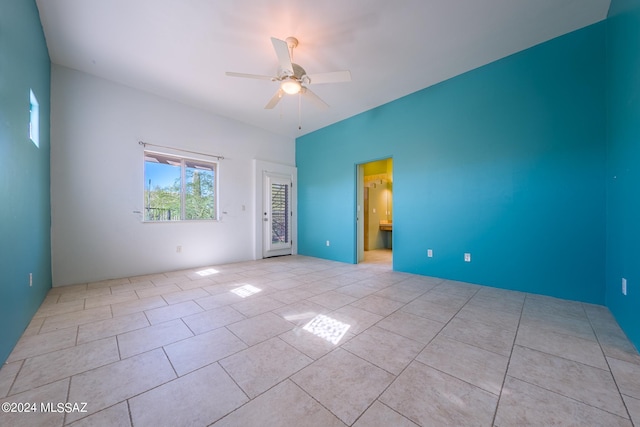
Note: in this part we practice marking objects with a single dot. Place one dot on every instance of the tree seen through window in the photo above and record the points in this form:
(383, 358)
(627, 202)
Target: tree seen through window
(178, 189)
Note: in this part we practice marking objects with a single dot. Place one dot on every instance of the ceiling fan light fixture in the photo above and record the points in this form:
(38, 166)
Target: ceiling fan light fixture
(292, 78)
(290, 86)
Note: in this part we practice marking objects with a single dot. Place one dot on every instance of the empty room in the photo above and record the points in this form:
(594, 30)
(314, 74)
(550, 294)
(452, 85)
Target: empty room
(366, 213)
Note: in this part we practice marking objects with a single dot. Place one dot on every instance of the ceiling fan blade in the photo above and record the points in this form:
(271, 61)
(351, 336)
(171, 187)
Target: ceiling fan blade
(274, 100)
(249, 76)
(313, 98)
(282, 51)
(333, 77)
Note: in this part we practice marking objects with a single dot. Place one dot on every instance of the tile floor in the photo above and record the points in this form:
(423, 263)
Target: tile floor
(298, 341)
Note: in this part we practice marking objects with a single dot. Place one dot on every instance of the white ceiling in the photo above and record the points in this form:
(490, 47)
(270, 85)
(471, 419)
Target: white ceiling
(180, 49)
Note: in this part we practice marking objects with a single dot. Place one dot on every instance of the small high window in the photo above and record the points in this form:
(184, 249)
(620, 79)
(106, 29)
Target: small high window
(34, 119)
(178, 188)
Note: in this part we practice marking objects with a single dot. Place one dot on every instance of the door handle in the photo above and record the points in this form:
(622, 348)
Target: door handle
(266, 220)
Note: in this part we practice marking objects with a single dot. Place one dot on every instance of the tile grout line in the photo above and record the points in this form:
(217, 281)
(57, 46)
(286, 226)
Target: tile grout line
(613, 377)
(414, 358)
(312, 397)
(568, 397)
(506, 371)
(128, 411)
(13, 383)
(64, 418)
(137, 394)
(537, 350)
(171, 363)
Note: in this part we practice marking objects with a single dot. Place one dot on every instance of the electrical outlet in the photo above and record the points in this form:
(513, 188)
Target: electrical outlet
(328, 243)
(624, 286)
(179, 249)
(430, 253)
(30, 279)
(467, 257)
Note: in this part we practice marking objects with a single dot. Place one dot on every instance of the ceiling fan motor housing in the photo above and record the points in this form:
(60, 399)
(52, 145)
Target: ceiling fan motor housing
(298, 71)
(292, 42)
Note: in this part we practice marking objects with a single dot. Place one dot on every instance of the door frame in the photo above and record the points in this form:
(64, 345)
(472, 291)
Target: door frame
(260, 167)
(359, 213)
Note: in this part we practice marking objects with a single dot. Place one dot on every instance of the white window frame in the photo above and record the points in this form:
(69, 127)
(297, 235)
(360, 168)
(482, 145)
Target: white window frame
(183, 184)
(34, 119)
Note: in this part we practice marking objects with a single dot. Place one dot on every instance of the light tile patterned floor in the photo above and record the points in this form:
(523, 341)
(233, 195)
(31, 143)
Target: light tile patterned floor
(298, 341)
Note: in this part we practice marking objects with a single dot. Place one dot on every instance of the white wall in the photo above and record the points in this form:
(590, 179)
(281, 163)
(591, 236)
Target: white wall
(97, 181)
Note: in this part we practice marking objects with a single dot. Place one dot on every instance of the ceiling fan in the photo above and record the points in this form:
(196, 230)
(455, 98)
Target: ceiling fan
(292, 77)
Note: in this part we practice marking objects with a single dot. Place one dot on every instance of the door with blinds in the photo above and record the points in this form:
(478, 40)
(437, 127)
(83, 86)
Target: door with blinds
(277, 215)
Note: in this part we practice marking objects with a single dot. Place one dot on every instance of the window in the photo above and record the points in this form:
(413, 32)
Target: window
(34, 119)
(279, 212)
(178, 188)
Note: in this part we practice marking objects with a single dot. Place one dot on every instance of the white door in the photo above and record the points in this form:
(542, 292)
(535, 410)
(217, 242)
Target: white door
(277, 215)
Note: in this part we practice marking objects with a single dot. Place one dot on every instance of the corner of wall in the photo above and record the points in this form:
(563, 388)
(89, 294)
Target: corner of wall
(623, 160)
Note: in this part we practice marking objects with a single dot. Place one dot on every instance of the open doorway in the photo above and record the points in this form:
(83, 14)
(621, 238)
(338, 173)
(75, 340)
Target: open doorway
(374, 212)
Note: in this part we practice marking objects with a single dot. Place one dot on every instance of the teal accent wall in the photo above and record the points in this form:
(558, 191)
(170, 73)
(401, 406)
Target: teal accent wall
(25, 213)
(623, 165)
(506, 162)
